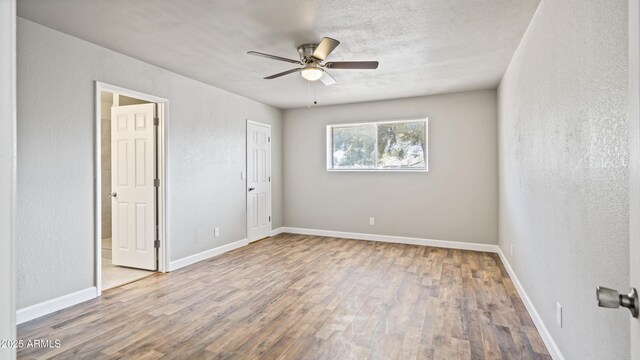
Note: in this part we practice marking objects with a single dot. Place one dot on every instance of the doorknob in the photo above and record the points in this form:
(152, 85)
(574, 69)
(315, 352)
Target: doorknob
(609, 298)
(113, 194)
(251, 189)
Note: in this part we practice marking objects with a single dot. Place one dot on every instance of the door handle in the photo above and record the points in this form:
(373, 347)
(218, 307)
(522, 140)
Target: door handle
(251, 189)
(609, 298)
(113, 194)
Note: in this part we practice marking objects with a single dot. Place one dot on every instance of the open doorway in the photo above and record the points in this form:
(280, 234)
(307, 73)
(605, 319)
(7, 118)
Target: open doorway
(130, 164)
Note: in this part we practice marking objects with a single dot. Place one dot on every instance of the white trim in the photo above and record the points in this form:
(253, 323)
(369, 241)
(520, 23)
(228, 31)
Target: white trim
(378, 122)
(393, 239)
(246, 171)
(408, 170)
(537, 320)
(53, 305)
(277, 231)
(189, 260)
(130, 93)
(163, 252)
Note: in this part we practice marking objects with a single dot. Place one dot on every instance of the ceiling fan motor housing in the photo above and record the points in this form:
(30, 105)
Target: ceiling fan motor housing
(306, 52)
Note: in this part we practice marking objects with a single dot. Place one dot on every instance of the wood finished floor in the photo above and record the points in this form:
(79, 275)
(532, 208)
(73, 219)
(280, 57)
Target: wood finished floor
(305, 297)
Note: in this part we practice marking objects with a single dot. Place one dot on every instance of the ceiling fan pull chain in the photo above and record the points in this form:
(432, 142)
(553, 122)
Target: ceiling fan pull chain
(315, 94)
(308, 94)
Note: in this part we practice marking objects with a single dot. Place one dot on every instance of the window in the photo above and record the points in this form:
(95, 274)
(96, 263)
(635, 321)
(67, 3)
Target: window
(385, 145)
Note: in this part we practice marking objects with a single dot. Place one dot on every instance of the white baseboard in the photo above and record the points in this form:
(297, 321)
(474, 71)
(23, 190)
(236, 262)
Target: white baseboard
(53, 305)
(393, 239)
(277, 231)
(554, 351)
(62, 302)
(177, 264)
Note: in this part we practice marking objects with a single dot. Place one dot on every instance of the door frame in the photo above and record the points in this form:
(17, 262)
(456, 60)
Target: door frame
(634, 165)
(163, 250)
(246, 172)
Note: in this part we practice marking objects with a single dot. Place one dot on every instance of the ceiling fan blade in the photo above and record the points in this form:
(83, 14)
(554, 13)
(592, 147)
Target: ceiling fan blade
(327, 79)
(352, 65)
(274, 57)
(326, 46)
(281, 74)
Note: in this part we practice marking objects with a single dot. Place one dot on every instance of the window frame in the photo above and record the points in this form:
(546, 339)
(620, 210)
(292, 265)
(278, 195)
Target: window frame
(329, 145)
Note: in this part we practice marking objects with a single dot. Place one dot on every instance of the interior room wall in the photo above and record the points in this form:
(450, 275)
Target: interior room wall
(206, 130)
(125, 100)
(7, 175)
(634, 163)
(564, 180)
(105, 154)
(455, 200)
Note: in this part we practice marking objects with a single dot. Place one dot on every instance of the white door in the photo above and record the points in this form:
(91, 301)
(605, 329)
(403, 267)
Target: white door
(258, 181)
(133, 189)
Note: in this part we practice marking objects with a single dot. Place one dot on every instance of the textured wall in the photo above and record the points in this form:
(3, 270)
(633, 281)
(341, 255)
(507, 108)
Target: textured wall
(634, 162)
(206, 154)
(7, 175)
(564, 182)
(456, 200)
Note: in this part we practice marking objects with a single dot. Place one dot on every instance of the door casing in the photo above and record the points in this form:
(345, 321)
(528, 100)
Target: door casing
(163, 251)
(247, 177)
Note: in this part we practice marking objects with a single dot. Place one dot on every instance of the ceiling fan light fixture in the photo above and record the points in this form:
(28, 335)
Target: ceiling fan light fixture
(311, 73)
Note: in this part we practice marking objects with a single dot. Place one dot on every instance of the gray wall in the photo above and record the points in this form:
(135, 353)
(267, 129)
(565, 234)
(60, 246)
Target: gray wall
(456, 200)
(634, 162)
(7, 175)
(206, 154)
(564, 182)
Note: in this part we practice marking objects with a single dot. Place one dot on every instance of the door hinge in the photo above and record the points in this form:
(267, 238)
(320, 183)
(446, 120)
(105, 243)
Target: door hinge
(156, 182)
(156, 244)
(269, 178)
(269, 138)
(156, 121)
(269, 218)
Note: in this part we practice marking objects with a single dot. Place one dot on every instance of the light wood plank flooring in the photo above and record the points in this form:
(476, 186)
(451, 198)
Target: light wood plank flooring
(114, 276)
(305, 297)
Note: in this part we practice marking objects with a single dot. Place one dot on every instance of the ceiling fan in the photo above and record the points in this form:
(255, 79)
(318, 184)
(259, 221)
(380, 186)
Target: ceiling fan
(311, 59)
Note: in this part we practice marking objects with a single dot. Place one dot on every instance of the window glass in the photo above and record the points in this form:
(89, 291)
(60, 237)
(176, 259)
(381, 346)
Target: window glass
(354, 147)
(401, 145)
(390, 145)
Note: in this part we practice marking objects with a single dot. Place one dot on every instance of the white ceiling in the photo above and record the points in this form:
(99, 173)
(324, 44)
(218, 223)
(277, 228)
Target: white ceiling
(424, 46)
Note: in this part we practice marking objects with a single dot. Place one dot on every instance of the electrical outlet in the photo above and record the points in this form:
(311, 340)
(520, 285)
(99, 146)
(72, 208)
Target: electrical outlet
(216, 232)
(372, 221)
(559, 314)
(511, 249)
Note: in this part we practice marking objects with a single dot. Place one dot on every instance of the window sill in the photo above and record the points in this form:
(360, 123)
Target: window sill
(381, 170)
